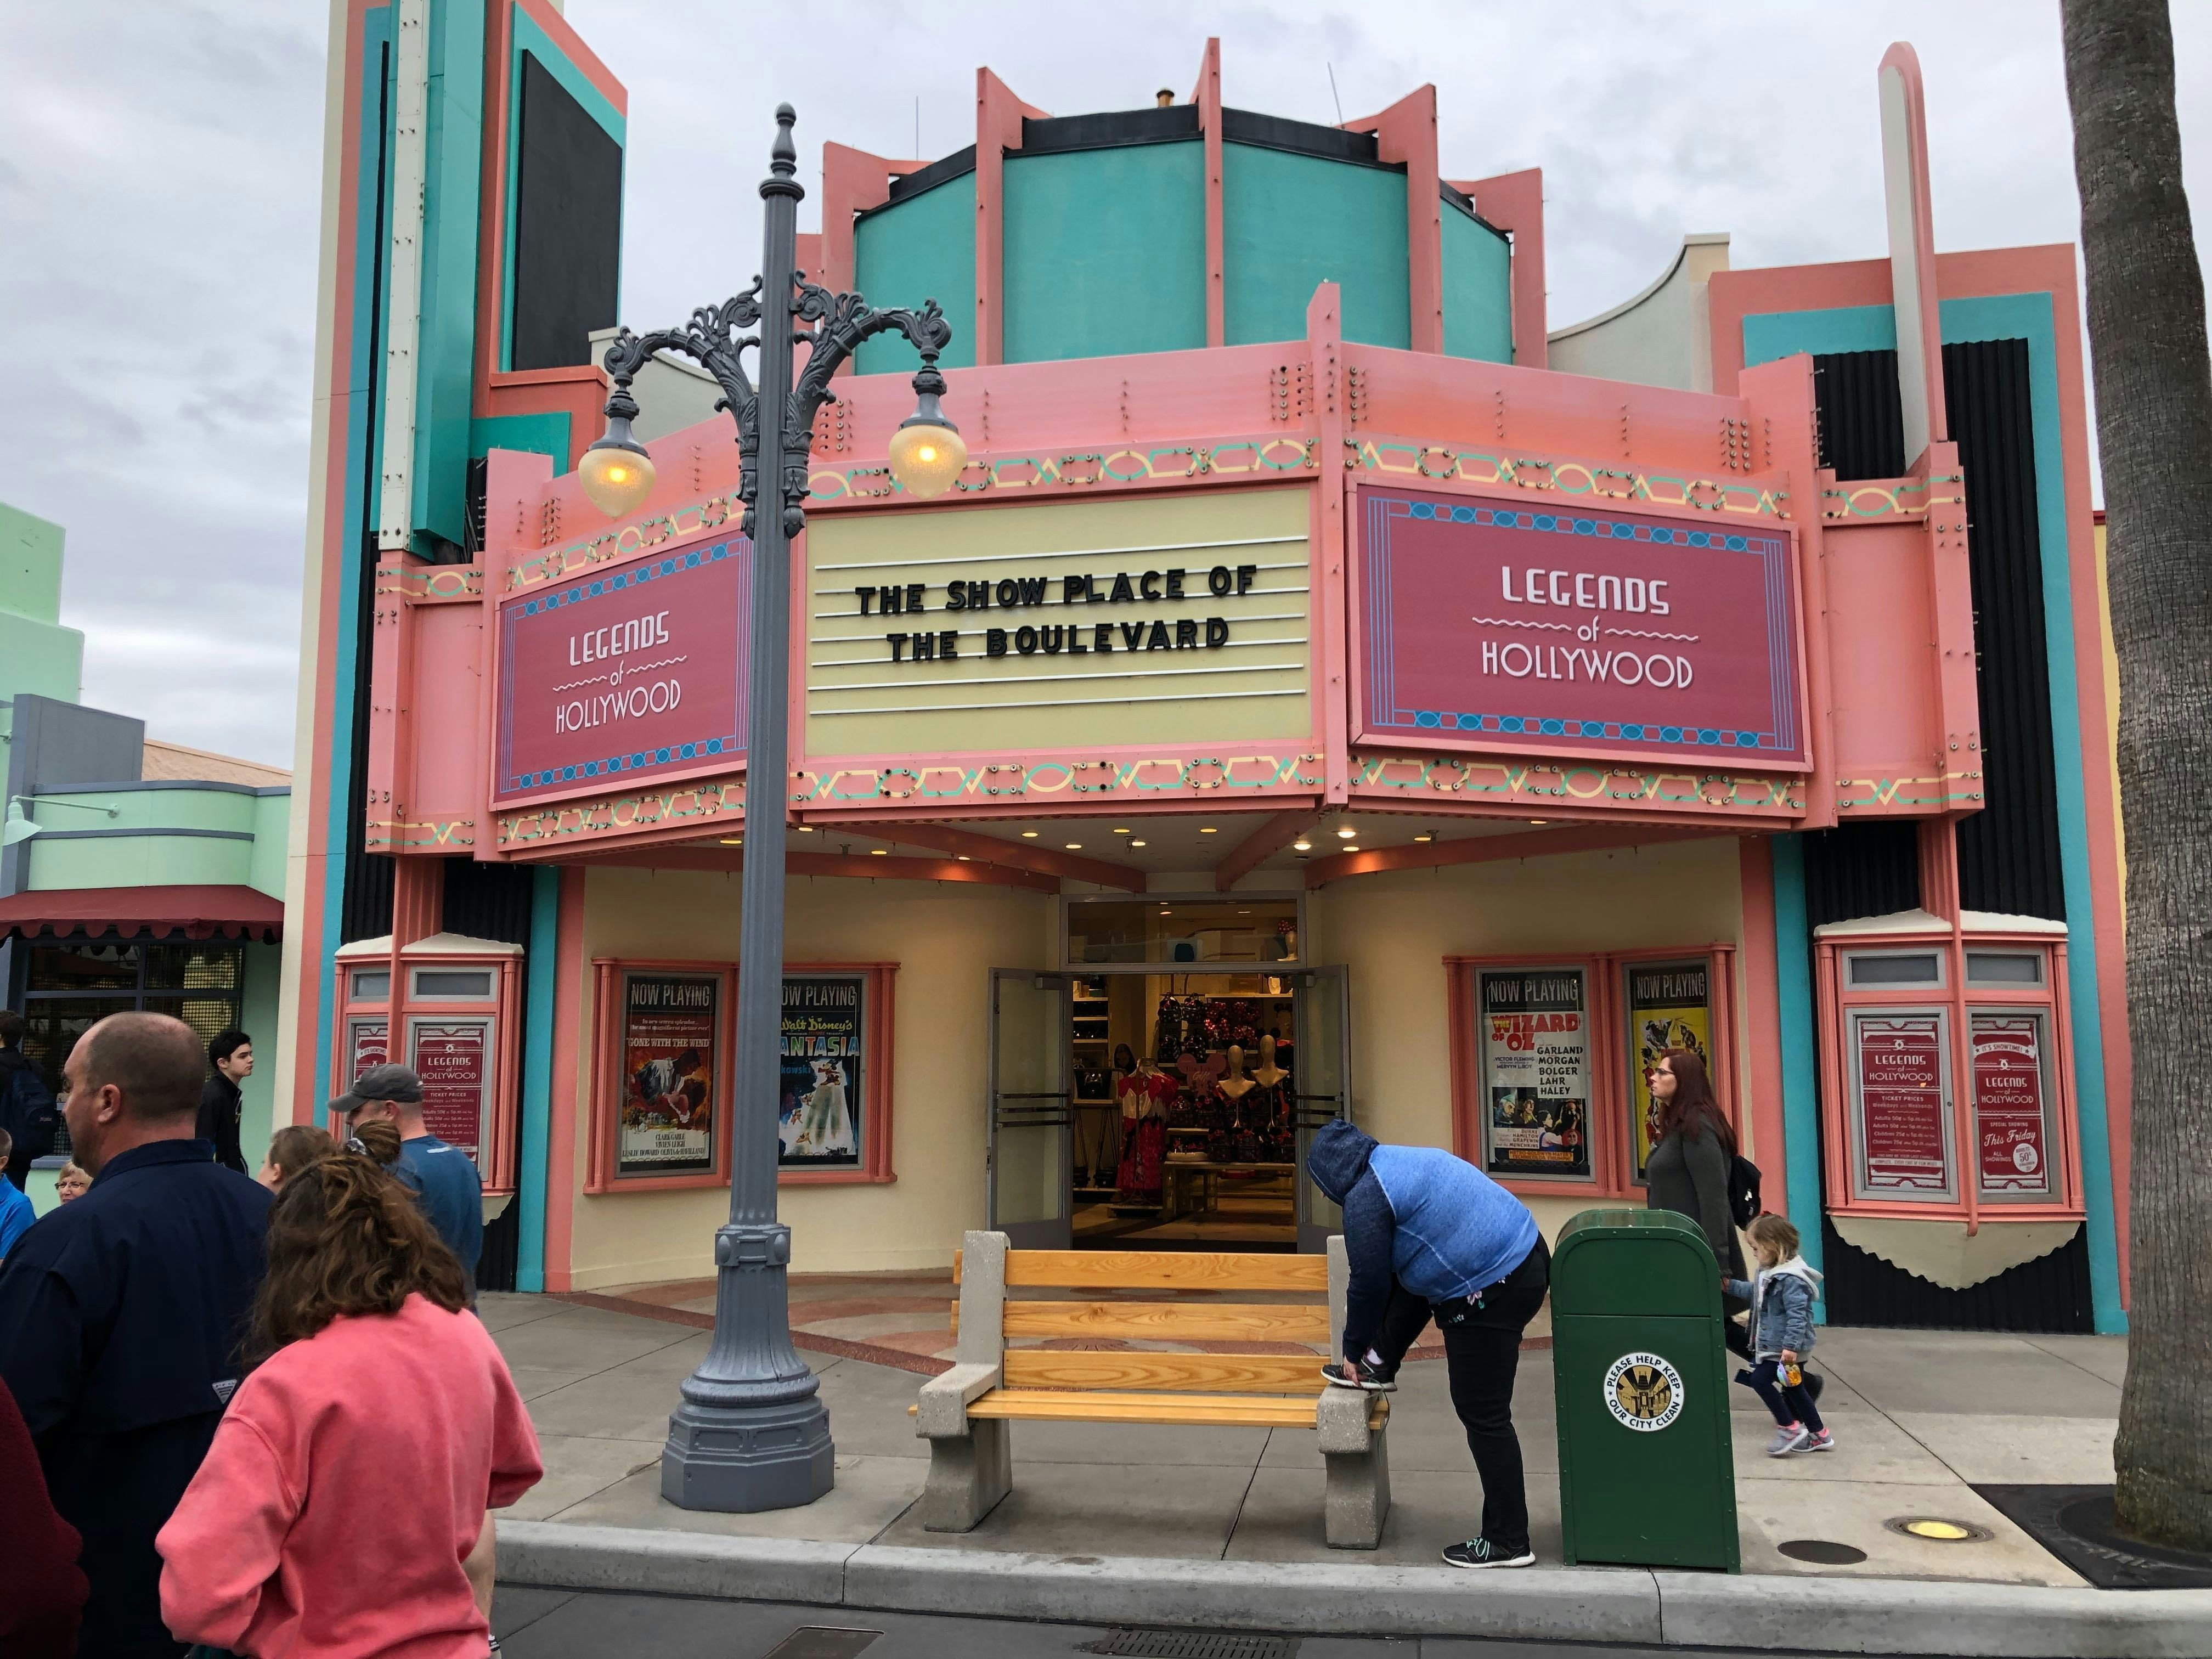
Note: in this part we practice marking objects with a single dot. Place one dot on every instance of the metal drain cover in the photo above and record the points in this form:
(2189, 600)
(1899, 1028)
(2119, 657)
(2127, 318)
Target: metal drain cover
(1194, 1644)
(821, 1642)
(1822, 1552)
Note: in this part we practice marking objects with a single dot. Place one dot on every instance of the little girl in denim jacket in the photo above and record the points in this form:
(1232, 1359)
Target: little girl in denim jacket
(1780, 1299)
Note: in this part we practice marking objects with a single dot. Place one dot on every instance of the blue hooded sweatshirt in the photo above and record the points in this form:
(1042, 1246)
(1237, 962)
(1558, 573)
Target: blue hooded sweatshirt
(1433, 1222)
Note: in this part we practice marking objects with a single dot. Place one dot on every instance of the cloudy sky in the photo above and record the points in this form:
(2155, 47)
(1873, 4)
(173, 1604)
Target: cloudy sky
(159, 181)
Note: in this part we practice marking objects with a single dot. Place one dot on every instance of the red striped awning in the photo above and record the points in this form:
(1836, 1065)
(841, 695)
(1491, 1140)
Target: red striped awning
(208, 912)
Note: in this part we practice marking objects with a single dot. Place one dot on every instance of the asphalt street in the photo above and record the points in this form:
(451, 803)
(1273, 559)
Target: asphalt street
(542, 1624)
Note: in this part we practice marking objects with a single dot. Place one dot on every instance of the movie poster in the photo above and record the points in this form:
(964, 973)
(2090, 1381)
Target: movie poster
(1670, 1006)
(451, 1057)
(1536, 1070)
(2009, 1117)
(1900, 1070)
(371, 1042)
(824, 1018)
(670, 1073)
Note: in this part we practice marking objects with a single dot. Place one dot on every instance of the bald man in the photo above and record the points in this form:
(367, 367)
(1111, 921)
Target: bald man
(120, 1315)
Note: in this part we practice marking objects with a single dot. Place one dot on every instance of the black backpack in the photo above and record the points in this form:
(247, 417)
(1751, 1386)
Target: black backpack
(27, 1110)
(1743, 1179)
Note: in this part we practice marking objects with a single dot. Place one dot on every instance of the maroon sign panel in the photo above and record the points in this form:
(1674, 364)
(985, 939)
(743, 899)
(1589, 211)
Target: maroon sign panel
(622, 677)
(2008, 1120)
(450, 1057)
(1490, 626)
(1901, 1065)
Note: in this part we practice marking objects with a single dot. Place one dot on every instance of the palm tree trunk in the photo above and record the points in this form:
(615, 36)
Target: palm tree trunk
(2146, 301)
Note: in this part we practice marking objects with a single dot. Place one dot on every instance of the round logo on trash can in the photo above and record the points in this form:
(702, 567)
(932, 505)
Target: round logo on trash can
(1642, 1392)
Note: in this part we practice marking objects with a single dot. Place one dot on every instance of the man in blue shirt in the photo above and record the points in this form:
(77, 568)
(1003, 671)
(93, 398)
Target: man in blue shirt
(120, 1315)
(442, 1177)
(1428, 1236)
(16, 1214)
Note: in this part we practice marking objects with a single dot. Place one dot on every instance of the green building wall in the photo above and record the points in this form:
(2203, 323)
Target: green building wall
(37, 655)
(1478, 289)
(921, 248)
(1105, 252)
(1290, 223)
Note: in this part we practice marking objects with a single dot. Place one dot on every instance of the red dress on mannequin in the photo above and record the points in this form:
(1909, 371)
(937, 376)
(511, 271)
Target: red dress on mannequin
(1144, 1135)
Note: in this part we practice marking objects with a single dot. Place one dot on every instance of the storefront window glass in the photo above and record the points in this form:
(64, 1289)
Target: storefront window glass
(100, 967)
(1897, 968)
(1172, 928)
(2005, 968)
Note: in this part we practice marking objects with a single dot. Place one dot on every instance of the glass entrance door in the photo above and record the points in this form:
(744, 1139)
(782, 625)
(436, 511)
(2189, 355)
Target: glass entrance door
(1030, 1173)
(1322, 1007)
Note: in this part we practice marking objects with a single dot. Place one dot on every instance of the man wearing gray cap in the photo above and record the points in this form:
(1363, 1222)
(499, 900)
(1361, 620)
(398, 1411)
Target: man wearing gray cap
(444, 1181)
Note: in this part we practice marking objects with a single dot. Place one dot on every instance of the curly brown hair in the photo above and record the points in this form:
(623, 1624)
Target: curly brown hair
(292, 1149)
(346, 1237)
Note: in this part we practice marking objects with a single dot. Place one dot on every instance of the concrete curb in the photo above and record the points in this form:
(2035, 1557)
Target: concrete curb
(1588, 1605)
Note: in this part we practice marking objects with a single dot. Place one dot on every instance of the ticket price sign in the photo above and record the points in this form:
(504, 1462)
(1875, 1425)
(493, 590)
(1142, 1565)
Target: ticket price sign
(452, 1058)
(821, 1108)
(2010, 1124)
(1670, 1006)
(1903, 1121)
(1534, 1027)
(368, 1042)
(671, 1072)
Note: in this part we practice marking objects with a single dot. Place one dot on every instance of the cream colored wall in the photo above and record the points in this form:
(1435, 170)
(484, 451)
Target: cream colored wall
(1393, 930)
(947, 938)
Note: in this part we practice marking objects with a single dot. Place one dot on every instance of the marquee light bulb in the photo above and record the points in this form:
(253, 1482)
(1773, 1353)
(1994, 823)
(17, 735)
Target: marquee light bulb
(1347, 833)
(1301, 845)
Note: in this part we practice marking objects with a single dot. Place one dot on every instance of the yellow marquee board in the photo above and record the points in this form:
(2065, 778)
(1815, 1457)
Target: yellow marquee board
(1059, 625)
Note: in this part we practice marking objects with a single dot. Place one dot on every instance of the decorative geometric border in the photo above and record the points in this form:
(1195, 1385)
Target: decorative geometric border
(1887, 499)
(666, 754)
(1002, 779)
(714, 799)
(440, 584)
(1943, 794)
(1772, 550)
(1568, 780)
(396, 833)
(1439, 463)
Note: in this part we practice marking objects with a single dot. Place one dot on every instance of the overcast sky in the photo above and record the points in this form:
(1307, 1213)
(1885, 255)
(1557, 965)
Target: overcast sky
(159, 179)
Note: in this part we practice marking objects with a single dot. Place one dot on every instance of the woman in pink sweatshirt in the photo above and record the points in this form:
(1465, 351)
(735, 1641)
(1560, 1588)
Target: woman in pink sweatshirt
(348, 1482)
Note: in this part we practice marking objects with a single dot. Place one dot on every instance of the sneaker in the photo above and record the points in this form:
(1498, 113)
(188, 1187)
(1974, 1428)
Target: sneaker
(1481, 1553)
(1824, 1441)
(1373, 1378)
(1787, 1439)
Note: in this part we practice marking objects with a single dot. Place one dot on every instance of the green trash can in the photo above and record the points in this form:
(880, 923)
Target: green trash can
(1647, 1477)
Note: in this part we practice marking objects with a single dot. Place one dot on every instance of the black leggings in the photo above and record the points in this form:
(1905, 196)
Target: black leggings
(1482, 1352)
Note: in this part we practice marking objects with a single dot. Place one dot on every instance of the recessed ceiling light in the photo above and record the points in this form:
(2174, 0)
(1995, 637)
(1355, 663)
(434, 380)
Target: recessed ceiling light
(733, 841)
(1424, 838)
(1207, 829)
(1121, 832)
(1540, 820)
(1244, 913)
(879, 852)
(1351, 847)
(1301, 845)
(1029, 835)
(961, 857)
(1136, 843)
(1075, 847)
(1347, 833)
(805, 829)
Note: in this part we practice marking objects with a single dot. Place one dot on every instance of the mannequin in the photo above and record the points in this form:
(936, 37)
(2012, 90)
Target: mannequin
(1235, 1085)
(1268, 1074)
(1143, 1094)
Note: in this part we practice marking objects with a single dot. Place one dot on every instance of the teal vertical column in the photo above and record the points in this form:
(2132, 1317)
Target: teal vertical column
(540, 968)
(1801, 1082)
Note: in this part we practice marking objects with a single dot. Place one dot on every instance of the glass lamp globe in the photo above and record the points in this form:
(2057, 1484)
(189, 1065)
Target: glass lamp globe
(927, 456)
(617, 473)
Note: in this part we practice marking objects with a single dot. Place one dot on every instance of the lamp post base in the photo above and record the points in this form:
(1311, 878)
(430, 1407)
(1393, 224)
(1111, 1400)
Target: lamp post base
(740, 1459)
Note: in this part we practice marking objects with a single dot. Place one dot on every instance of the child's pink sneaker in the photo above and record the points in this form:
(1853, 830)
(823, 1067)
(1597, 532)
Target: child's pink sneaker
(1824, 1441)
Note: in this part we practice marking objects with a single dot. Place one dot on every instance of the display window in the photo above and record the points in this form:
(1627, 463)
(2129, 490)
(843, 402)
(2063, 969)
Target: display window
(664, 1092)
(1552, 1059)
(1944, 1079)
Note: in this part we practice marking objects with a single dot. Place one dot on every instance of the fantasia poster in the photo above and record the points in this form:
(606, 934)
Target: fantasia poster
(824, 1027)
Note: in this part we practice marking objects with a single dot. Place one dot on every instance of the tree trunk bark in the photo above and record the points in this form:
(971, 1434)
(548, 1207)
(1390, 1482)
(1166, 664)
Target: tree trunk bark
(2153, 379)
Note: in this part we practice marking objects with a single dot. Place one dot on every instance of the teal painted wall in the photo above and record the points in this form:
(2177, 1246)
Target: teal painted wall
(922, 248)
(1478, 289)
(264, 966)
(1105, 253)
(208, 836)
(446, 353)
(1290, 223)
(545, 433)
(37, 655)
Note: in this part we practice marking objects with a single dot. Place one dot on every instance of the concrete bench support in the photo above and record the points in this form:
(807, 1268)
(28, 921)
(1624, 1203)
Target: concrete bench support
(971, 1463)
(1356, 1501)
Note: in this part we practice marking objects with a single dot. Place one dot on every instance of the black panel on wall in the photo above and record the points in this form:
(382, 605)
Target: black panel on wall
(2050, 1293)
(2008, 858)
(1871, 868)
(488, 901)
(1861, 419)
(568, 225)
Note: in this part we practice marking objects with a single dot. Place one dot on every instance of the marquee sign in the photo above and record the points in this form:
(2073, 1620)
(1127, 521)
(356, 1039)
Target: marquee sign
(634, 674)
(1483, 624)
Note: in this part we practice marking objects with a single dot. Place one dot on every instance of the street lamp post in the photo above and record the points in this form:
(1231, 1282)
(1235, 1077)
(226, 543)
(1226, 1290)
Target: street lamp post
(752, 1432)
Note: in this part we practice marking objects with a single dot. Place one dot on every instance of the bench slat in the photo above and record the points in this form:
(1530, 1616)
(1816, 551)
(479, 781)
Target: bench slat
(1161, 1270)
(1225, 1373)
(1171, 1321)
(1223, 1411)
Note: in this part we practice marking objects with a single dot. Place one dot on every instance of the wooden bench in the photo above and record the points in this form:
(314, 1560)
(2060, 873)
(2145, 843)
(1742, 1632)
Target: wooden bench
(964, 1414)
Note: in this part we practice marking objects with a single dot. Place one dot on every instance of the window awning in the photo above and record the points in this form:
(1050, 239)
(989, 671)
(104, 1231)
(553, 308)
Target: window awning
(193, 911)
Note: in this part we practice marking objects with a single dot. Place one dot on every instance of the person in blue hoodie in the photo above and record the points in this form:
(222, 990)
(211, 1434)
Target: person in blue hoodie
(1428, 1236)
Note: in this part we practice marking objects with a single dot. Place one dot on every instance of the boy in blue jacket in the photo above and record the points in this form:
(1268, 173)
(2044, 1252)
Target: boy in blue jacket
(1781, 1325)
(1428, 1236)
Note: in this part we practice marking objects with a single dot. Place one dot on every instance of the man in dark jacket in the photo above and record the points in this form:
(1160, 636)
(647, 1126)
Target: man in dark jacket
(1429, 1236)
(120, 1315)
(27, 1111)
(222, 1103)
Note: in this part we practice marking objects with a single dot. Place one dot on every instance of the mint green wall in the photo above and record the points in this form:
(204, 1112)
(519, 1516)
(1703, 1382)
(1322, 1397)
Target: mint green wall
(257, 1019)
(545, 433)
(245, 849)
(1478, 289)
(1291, 222)
(1105, 252)
(922, 248)
(37, 655)
(273, 829)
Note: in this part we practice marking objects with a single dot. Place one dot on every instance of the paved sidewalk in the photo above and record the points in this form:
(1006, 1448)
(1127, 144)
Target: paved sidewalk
(1920, 1417)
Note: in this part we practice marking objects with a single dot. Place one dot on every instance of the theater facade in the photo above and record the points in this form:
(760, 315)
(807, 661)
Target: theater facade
(1327, 690)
